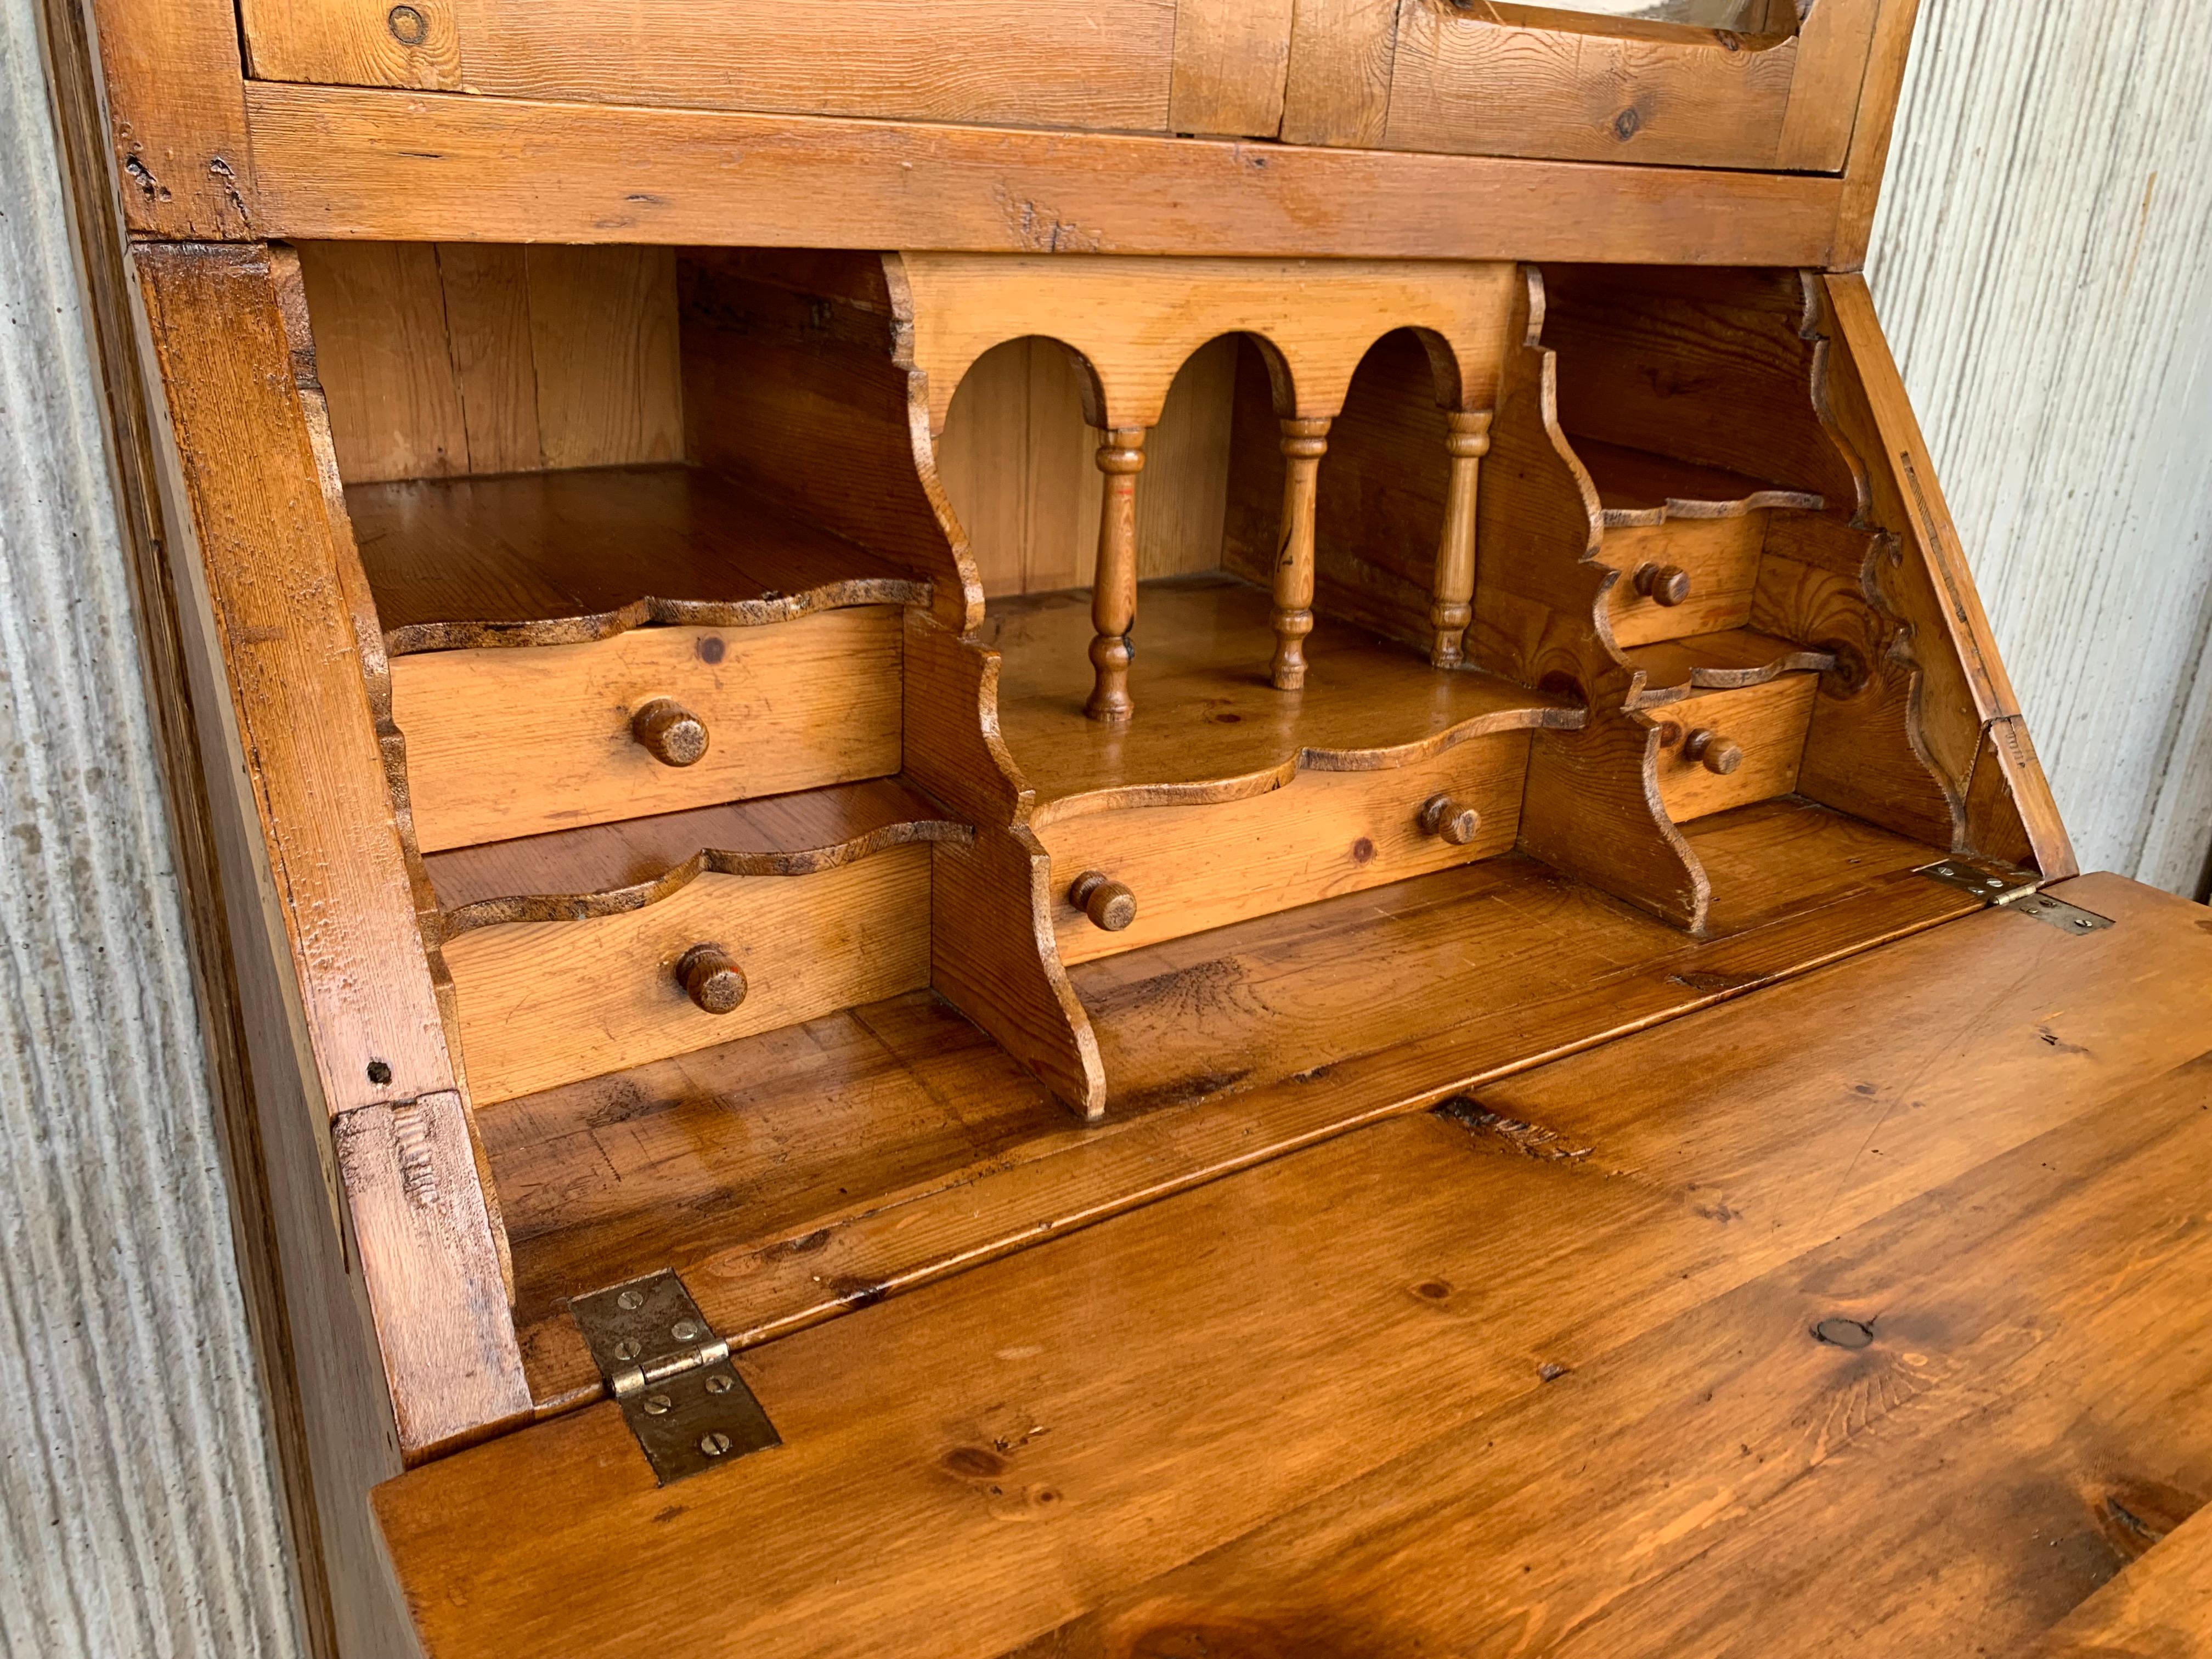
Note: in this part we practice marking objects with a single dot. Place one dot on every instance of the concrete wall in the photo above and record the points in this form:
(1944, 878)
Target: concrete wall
(138, 1511)
(2042, 266)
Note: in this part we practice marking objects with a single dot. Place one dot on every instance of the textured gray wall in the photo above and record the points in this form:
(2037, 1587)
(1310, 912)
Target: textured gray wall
(2042, 266)
(138, 1513)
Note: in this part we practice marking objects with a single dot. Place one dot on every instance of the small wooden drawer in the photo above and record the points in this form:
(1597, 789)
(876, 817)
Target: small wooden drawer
(1189, 867)
(542, 1003)
(1764, 727)
(1713, 563)
(509, 741)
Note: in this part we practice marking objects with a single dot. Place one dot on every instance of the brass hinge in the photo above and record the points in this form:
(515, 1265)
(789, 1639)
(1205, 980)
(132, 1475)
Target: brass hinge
(2014, 889)
(671, 1376)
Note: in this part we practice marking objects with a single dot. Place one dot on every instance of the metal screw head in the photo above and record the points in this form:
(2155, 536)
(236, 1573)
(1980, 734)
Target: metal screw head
(628, 1348)
(719, 1385)
(714, 1444)
(685, 1331)
(657, 1405)
(630, 1301)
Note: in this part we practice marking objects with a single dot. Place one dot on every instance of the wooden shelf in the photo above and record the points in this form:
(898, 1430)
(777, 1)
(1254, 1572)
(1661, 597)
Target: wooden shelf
(602, 869)
(555, 558)
(757, 1168)
(1636, 486)
(1735, 657)
(1206, 719)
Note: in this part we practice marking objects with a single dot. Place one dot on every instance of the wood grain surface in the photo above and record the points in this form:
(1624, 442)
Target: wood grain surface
(508, 742)
(1983, 1215)
(873, 1151)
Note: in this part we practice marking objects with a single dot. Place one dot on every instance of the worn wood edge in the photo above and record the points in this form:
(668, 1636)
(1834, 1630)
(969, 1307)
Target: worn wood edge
(441, 167)
(611, 902)
(1932, 540)
(449, 1359)
(1873, 124)
(1790, 659)
(1011, 1204)
(98, 227)
(1245, 785)
(1625, 517)
(650, 611)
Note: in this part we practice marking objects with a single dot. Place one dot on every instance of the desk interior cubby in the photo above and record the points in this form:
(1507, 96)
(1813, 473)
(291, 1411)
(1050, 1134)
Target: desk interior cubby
(850, 709)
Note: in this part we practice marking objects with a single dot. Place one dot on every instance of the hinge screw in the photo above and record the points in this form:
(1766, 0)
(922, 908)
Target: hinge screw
(657, 1405)
(719, 1385)
(685, 1331)
(628, 1348)
(714, 1444)
(630, 1301)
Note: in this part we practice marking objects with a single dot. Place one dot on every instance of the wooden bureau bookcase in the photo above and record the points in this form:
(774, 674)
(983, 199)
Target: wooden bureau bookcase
(831, 641)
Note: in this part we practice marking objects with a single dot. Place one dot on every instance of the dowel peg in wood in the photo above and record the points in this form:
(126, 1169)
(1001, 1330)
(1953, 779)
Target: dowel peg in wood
(1452, 590)
(1304, 441)
(1663, 584)
(1113, 583)
(670, 732)
(714, 983)
(1443, 817)
(1712, 752)
(1107, 904)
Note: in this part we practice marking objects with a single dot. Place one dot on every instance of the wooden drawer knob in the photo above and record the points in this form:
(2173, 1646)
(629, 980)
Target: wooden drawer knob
(1663, 584)
(1712, 752)
(1107, 904)
(670, 732)
(1442, 816)
(712, 981)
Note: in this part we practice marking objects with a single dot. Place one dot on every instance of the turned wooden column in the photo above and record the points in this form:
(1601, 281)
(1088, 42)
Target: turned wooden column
(1114, 585)
(1304, 442)
(1454, 589)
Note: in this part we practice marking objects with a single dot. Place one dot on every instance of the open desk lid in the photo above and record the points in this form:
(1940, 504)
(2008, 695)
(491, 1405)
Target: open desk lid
(1902, 1233)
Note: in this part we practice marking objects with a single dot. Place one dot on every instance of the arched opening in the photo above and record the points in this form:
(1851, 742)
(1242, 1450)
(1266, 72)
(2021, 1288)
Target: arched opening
(1017, 458)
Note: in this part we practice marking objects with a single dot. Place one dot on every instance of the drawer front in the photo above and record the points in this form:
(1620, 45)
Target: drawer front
(1718, 556)
(549, 1002)
(1190, 868)
(1766, 722)
(1570, 82)
(516, 740)
(1046, 62)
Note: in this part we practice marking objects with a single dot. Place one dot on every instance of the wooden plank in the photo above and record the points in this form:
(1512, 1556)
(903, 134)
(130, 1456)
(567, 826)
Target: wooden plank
(543, 1003)
(261, 550)
(1871, 131)
(386, 359)
(271, 570)
(1461, 80)
(1337, 89)
(602, 335)
(1058, 62)
(179, 127)
(1107, 1395)
(2155, 1607)
(506, 742)
(1226, 1049)
(1230, 58)
(339, 162)
(352, 44)
(2029, 1381)
(487, 288)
